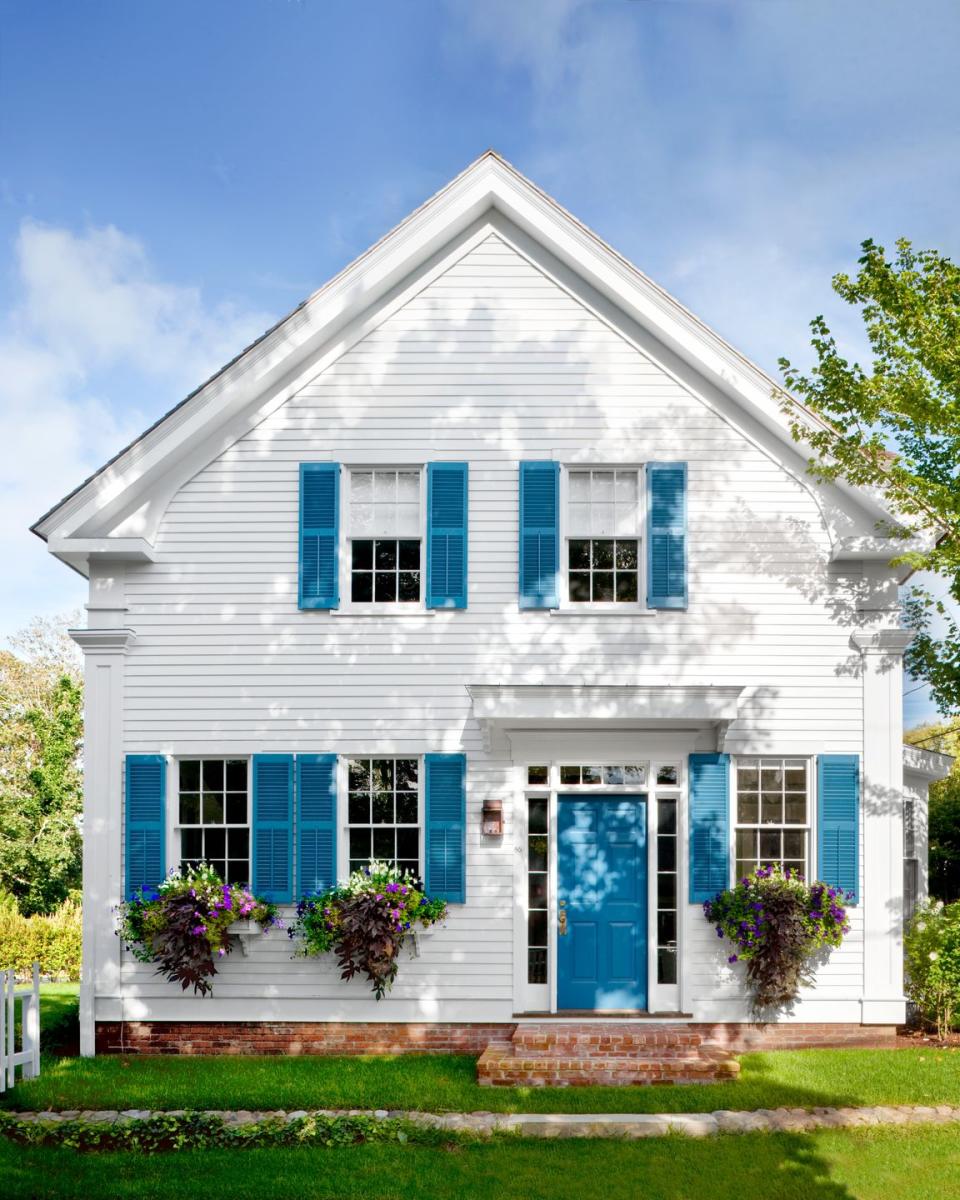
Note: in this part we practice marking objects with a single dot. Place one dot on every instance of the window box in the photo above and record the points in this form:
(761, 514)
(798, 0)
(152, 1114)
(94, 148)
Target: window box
(244, 931)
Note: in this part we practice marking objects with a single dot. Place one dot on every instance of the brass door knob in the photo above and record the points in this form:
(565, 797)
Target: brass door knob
(563, 922)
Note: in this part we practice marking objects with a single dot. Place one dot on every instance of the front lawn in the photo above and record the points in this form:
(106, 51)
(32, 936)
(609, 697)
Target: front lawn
(795, 1078)
(922, 1163)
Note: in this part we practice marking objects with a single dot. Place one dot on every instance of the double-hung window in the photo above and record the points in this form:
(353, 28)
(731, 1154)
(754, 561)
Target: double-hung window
(772, 814)
(603, 535)
(384, 532)
(213, 816)
(383, 812)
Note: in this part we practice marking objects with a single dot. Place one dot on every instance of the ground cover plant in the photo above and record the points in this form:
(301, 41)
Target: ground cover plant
(861, 1164)
(793, 1078)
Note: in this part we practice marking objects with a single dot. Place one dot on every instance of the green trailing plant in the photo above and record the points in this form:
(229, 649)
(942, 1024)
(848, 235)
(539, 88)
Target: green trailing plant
(365, 921)
(778, 922)
(182, 924)
(932, 953)
(204, 1131)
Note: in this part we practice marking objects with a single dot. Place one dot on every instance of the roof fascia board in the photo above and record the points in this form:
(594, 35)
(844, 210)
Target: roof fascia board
(289, 344)
(654, 308)
(489, 182)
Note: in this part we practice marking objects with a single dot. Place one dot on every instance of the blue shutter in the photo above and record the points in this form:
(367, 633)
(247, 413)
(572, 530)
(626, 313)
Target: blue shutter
(446, 826)
(838, 803)
(146, 823)
(319, 535)
(666, 535)
(539, 534)
(316, 822)
(272, 827)
(447, 535)
(709, 791)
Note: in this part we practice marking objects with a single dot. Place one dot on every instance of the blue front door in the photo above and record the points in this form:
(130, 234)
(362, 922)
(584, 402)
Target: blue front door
(602, 889)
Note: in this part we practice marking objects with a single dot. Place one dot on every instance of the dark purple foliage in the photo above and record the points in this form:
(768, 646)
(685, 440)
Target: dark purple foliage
(369, 940)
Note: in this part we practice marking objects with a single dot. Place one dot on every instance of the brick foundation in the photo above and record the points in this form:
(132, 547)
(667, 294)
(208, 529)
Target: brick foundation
(742, 1036)
(382, 1037)
(295, 1037)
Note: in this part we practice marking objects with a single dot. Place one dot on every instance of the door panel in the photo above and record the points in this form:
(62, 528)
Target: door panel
(602, 886)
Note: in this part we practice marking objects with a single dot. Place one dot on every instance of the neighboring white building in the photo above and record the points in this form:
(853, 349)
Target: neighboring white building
(493, 518)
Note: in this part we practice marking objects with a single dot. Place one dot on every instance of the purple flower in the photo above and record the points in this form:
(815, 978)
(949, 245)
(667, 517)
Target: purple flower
(733, 958)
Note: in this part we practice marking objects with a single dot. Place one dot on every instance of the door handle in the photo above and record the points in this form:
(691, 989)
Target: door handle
(563, 922)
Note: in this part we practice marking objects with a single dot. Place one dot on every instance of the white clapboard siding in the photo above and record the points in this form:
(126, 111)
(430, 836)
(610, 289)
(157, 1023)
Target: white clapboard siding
(491, 362)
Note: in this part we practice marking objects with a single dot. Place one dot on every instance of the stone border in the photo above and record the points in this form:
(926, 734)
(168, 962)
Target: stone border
(545, 1125)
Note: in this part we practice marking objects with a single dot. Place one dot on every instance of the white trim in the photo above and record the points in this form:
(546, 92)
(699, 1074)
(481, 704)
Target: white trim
(534, 998)
(271, 366)
(582, 608)
(810, 827)
(929, 764)
(347, 607)
(343, 813)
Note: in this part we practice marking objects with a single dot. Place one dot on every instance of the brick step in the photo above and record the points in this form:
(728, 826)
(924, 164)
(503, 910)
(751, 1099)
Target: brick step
(501, 1066)
(608, 1038)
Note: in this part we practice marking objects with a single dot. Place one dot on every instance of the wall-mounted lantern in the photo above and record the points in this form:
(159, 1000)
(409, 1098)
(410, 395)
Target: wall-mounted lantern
(491, 823)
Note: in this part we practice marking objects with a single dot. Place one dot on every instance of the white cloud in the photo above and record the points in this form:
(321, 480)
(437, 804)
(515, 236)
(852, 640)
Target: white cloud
(739, 153)
(94, 347)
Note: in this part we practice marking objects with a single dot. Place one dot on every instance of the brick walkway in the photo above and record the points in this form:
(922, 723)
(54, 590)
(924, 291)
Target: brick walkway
(558, 1125)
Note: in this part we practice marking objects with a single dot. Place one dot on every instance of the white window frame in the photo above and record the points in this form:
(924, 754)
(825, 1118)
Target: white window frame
(382, 607)
(623, 608)
(812, 865)
(174, 828)
(537, 998)
(343, 810)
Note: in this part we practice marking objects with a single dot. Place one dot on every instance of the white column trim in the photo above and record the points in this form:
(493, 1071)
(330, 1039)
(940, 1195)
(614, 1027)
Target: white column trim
(881, 804)
(104, 652)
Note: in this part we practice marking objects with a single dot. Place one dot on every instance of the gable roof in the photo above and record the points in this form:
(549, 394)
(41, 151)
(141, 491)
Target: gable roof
(124, 499)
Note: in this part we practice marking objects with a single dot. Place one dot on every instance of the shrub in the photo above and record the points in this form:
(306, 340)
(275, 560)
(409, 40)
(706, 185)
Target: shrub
(53, 939)
(366, 921)
(182, 924)
(778, 922)
(932, 949)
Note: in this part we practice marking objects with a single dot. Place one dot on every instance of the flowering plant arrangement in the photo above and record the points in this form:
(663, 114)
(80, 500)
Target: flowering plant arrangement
(932, 947)
(182, 924)
(777, 922)
(365, 921)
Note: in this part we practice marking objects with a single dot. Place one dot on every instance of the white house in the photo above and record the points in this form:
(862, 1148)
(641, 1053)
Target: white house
(491, 519)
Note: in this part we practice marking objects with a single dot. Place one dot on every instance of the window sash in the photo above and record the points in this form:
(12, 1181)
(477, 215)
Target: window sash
(772, 795)
(211, 796)
(387, 795)
(617, 519)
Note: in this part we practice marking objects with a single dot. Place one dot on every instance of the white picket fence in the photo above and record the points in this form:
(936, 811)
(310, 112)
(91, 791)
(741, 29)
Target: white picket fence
(28, 1056)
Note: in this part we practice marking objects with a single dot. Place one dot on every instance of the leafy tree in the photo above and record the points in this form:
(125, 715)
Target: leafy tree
(943, 819)
(41, 734)
(895, 426)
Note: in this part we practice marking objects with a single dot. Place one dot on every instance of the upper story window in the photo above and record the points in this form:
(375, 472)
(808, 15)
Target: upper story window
(772, 814)
(213, 816)
(603, 535)
(385, 536)
(383, 812)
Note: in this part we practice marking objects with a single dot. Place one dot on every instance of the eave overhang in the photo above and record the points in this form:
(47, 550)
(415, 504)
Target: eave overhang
(132, 486)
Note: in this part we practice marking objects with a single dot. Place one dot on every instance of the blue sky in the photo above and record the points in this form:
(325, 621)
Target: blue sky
(176, 175)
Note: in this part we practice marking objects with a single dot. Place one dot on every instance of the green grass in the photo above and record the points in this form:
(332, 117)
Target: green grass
(59, 1008)
(788, 1077)
(874, 1164)
(59, 1005)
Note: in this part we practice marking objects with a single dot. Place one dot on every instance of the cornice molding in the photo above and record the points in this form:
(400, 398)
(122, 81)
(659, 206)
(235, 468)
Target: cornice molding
(93, 641)
(882, 641)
